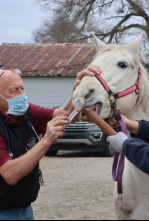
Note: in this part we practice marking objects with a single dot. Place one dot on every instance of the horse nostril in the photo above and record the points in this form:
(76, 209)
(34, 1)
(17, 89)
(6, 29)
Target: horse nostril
(87, 96)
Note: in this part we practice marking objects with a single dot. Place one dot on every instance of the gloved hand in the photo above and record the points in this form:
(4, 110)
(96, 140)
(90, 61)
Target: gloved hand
(117, 141)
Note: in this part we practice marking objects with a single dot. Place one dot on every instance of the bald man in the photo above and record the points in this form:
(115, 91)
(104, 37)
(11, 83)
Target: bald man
(20, 147)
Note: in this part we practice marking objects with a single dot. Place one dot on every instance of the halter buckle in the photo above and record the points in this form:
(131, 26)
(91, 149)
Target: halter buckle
(112, 100)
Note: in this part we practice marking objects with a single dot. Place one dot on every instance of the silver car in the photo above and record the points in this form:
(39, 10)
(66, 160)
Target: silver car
(83, 136)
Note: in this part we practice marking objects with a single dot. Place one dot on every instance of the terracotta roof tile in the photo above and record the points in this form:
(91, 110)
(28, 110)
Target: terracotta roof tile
(47, 59)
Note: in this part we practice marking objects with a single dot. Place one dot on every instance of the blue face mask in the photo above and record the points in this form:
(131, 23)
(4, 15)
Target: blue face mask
(18, 105)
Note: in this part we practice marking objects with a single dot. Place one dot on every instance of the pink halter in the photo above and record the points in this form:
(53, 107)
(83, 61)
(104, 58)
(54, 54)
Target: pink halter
(134, 88)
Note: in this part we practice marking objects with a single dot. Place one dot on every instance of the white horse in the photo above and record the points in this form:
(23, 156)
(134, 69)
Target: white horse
(120, 65)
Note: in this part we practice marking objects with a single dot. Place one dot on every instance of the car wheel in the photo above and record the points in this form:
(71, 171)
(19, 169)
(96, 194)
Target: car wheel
(51, 153)
(108, 151)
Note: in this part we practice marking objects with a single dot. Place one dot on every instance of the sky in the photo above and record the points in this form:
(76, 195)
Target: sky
(18, 18)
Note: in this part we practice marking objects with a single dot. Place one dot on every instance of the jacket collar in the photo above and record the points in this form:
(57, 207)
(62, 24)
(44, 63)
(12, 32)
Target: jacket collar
(7, 119)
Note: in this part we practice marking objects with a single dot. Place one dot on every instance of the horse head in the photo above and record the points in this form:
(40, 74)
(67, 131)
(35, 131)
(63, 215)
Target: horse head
(120, 72)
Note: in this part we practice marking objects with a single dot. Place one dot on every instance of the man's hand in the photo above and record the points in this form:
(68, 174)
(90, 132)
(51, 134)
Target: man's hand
(90, 71)
(117, 141)
(55, 130)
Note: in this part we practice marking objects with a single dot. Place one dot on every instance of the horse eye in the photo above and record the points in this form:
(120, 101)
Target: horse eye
(123, 65)
(92, 90)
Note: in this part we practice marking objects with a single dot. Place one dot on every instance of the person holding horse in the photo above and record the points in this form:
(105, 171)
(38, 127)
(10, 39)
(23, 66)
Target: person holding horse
(136, 149)
(20, 147)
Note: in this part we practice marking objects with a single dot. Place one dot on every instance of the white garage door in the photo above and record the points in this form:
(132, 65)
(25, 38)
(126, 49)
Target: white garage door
(48, 91)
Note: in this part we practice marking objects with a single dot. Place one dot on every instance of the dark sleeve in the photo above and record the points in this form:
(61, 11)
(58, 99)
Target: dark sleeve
(143, 133)
(41, 117)
(137, 152)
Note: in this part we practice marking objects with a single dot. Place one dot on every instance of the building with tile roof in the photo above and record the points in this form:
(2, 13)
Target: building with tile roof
(48, 70)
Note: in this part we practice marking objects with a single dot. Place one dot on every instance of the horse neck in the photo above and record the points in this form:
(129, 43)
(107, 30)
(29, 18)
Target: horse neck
(141, 110)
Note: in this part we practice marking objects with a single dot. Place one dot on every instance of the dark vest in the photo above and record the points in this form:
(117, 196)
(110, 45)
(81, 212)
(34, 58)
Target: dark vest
(22, 138)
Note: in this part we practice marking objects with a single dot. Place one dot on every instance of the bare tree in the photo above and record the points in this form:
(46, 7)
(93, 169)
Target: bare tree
(57, 31)
(77, 20)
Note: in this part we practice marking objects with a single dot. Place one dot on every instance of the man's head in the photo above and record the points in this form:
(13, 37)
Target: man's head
(11, 86)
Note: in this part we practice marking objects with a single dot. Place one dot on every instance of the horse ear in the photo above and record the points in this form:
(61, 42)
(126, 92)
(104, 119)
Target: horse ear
(99, 44)
(134, 46)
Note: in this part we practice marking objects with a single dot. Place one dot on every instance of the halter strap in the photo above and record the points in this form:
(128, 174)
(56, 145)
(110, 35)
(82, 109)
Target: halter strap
(104, 84)
(134, 88)
(128, 91)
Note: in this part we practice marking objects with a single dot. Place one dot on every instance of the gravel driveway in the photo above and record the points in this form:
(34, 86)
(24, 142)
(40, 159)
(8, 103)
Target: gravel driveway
(78, 186)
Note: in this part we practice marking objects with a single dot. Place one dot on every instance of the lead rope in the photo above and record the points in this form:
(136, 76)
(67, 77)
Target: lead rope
(119, 159)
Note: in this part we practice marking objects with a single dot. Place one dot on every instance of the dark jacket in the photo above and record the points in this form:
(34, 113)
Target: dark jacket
(137, 149)
(22, 138)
